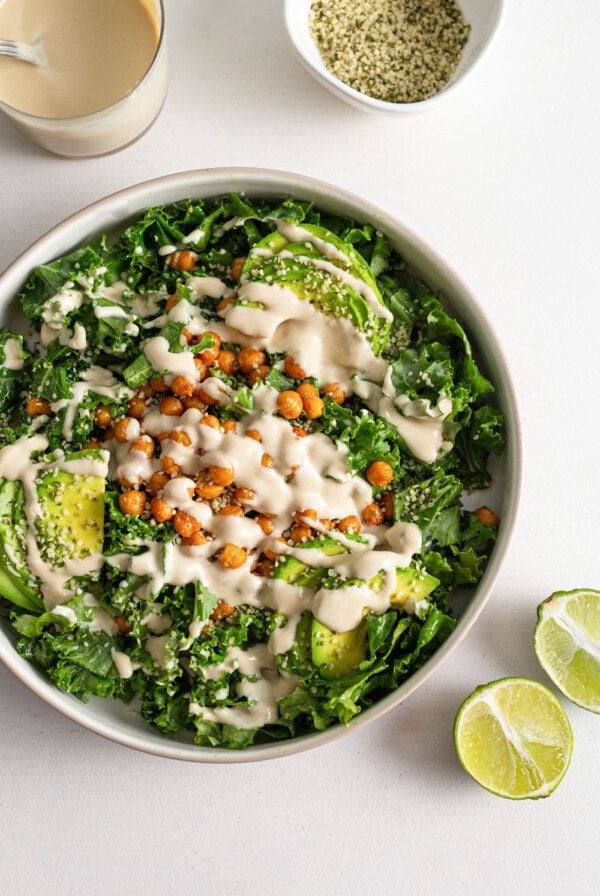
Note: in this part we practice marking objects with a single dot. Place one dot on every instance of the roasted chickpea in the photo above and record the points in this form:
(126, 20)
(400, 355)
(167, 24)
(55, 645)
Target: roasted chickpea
(228, 426)
(179, 436)
(273, 555)
(128, 483)
(194, 401)
(250, 359)
(236, 267)
(254, 434)
(327, 523)
(313, 407)
(265, 524)
(350, 524)
(171, 302)
(145, 445)
(169, 466)
(132, 502)
(209, 355)
(207, 489)
(225, 303)
(221, 475)
(200, 367)
(171, 406)
(261, 373)
(300, 533)
(182, 387)
(373, 514)
(232, 556)
(267, 461)
(222, 611)
(160, 510)
(123, 625)
(108, 434)
(102, 416)
(307, 390)
(335, 392)
(122, 429)
(37, 406)
(485, 515)
(380, 473)
(158, 384)
(227, 362)
(187, 335)
(146, 391)
(92, 444)
(185, 524)
(291, 368)
(289, 404)
(305, 517)
(195, 540)
(136, 407)
(184, 260)
(156, 483)
(263, 568)
(244, 495)
(300, 433)
(211, 420)
(231, 510)
(206, 398)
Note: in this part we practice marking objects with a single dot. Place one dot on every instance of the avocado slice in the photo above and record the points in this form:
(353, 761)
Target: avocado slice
(292, 570)
(14, 577)
(336, 654)
(328, 294)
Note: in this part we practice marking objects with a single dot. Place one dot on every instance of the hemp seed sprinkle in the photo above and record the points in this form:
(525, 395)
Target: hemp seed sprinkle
(401, 51)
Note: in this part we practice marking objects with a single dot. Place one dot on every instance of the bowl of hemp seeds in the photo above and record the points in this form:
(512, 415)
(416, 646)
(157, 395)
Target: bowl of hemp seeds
(394, 56)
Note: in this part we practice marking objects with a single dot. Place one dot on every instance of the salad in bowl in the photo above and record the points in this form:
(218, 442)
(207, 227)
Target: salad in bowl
(234, 445)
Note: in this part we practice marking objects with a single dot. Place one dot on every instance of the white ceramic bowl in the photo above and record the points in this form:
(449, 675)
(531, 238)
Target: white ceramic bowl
(484, 17)
(114, 719)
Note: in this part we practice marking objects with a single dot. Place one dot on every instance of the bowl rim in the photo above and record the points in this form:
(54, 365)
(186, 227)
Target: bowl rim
(355, 97)
(100, 215)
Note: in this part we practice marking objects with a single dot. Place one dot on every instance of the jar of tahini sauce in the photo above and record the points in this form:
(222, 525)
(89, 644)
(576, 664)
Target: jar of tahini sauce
(106, 74)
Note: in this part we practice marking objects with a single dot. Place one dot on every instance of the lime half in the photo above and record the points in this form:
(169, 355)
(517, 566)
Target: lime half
(567, 643)
(513, 737)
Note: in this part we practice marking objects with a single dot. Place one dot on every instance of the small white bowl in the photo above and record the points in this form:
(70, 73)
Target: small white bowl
(484, 17)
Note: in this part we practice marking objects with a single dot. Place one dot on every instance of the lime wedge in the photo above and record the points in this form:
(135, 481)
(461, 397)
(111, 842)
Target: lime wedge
(513, 737)
(567, 643)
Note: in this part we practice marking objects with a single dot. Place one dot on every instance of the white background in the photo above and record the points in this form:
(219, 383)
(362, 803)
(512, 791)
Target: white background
(504, 181)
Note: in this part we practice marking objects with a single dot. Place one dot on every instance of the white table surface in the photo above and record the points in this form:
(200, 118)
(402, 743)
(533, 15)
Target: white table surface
(504, 181)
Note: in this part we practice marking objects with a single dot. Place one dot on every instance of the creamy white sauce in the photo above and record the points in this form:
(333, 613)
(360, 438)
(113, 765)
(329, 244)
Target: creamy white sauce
(13, 355)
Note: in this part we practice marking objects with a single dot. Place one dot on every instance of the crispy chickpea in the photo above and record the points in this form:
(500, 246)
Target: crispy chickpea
(132, 502)
(232, 556)
(289, 404)
(307, 390)
(335, 392)
(161, 511)
(171, 406)
(171, 302)
(299, 432)
(273, 555)
(388, 505)
(92, 444)
(183, 261)
(158, 384)
(145, 445)
(211, 420)
(122, 430)
(227, 362)
(326, 523)
(231, 510)
(207, 489)
(108, 434)
(102, 416)
(136, 407)
(291, 368)
(263, 568)
(222, 611)
(36, 406)
(195, 540)
(221, 475)
(179, 436)
(265, 524)
(206, 398)
(187, 335)
(182, 387)
(261, 373)
(267, 461)
(156, 483)
(350, 524)
(228, 426)
(169, 466)
(380, 473)
(194, 401)
(225, 303)
(244, 495)
(185, 524)
(300, 533)
(373, 514)
(236, 267)
(485, 515)
(304, 517)
(313, 407)
(209, 355)
(254, 434)
(200, 367)
(128, 483)
(123, 625)
(250, 359)
(146, 391)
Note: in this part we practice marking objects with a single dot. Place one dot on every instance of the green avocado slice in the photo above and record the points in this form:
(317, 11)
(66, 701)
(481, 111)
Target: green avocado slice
(336, 654)
(14, 577)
